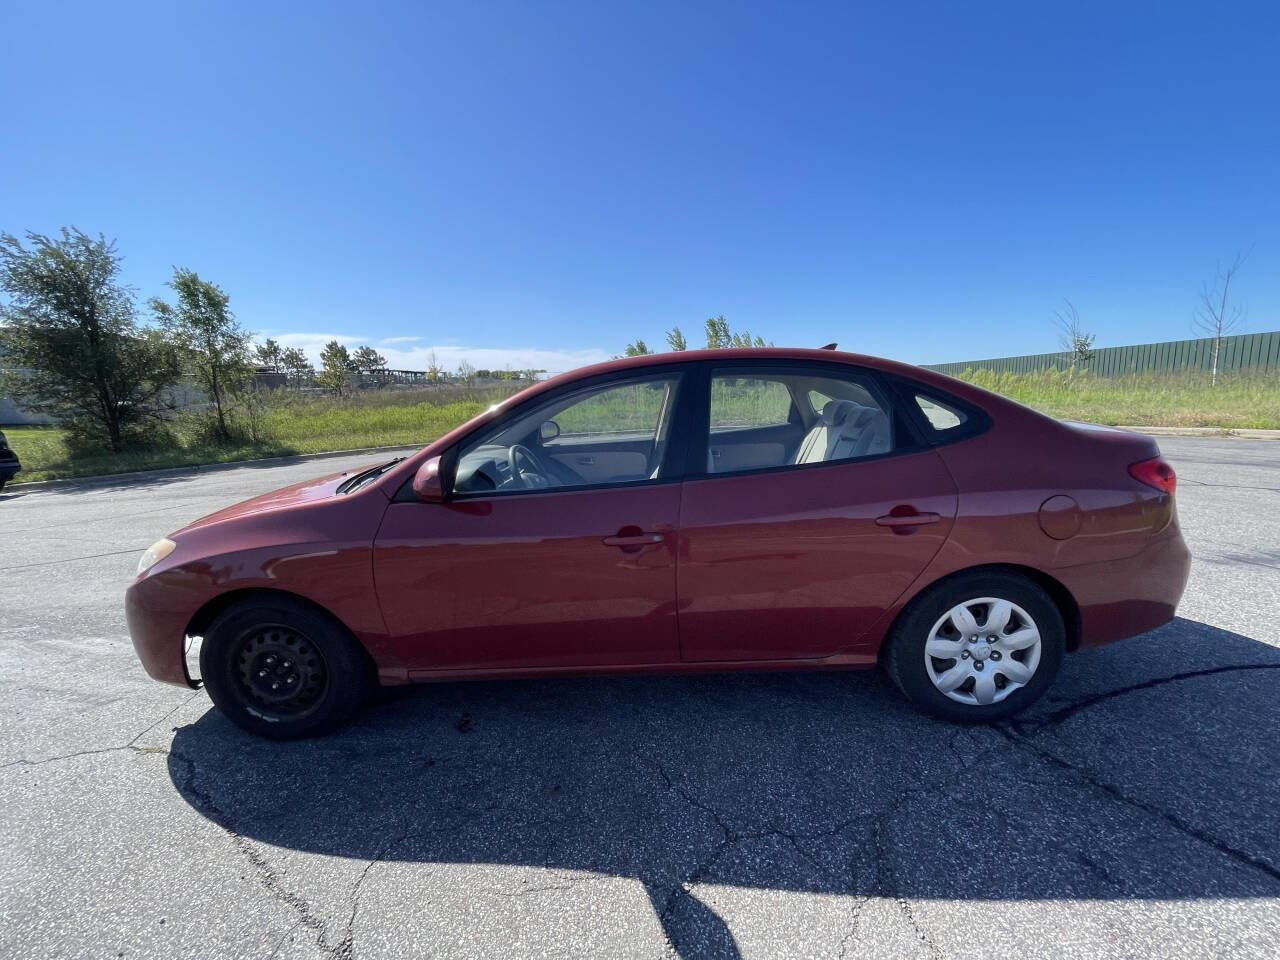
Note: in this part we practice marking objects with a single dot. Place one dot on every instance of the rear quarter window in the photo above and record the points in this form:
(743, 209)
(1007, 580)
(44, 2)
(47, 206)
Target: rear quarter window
(937, 415)
(940, 416)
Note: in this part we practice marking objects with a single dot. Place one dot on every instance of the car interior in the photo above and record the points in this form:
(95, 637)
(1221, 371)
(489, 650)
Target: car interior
(618, 432)
(761, 422)
(615, 433)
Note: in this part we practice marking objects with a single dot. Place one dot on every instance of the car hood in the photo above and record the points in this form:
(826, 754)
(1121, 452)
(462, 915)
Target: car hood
(286, 498)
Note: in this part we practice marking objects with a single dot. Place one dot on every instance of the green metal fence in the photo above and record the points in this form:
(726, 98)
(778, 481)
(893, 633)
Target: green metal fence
(1258, 352)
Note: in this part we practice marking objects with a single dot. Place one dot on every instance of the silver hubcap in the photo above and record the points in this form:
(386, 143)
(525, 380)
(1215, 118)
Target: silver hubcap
(981, 650)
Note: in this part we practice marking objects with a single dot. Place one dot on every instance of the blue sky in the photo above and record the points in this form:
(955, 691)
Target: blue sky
(537, 184)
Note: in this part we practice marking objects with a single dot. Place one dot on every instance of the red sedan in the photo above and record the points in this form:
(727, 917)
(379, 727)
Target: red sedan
(709, 510)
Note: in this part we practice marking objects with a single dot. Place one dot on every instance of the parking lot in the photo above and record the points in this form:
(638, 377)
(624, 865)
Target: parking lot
(1132, 812)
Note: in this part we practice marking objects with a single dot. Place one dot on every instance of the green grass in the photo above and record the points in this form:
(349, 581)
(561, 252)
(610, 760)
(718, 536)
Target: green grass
(289, 425)
(1144, 400)
(292, 424)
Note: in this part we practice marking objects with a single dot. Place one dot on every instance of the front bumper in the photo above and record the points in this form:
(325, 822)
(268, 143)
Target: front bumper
(1123, 598)
(158, 628)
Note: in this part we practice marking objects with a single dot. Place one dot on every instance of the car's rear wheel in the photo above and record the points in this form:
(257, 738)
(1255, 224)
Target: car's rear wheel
(977, 647)
(280, 668)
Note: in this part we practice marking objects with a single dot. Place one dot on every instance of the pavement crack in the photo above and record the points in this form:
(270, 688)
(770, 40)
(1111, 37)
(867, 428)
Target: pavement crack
(1228, 486)
(170, 713)
(1098, 869)
(131, 745)
(1065, 713)
(855, 922)
(694, 801)
(92, 556)
(62, 756)
(280, 943)
(345, 949)
(730, 837)
(1243, 857)
(886, 876)
(568, 884)
(267, 875)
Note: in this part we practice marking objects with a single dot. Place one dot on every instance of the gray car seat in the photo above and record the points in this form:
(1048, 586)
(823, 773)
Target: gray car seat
(844, 430)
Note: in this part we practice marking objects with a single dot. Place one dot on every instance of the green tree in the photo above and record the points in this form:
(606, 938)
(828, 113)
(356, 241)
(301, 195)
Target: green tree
(435, 372)
(1076, 342)
(676, 340)
(70, 335)
(367, 360)
(466, 373)
(296, 365)
(637, 349)
(337, 368)
(269, 354)
(202, 326)
(718, 336)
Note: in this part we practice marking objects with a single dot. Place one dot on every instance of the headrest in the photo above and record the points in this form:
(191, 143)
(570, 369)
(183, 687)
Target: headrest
(836, 411)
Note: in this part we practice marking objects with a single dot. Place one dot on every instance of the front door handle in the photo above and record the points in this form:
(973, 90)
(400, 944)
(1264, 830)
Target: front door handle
(907, 520)
(632, 540)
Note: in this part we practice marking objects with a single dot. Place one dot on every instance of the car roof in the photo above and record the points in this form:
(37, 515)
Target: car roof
(739, 354)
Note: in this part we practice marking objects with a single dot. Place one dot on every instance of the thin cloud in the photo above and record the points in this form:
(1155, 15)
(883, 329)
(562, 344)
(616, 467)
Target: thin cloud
(448, 355)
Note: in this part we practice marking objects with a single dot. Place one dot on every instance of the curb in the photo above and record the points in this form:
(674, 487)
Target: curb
(1242, 433)
(141, 476)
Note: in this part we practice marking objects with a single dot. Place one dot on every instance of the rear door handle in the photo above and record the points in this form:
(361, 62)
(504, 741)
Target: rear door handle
(909, 520)
(587, 461)
(633, 540)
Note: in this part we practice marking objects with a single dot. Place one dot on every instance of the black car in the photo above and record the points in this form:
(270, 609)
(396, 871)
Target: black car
(9, 464)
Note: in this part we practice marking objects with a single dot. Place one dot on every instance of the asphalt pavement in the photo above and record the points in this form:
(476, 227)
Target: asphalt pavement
(1133, 812)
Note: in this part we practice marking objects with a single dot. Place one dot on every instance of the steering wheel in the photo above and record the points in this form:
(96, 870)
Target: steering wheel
(527, 467)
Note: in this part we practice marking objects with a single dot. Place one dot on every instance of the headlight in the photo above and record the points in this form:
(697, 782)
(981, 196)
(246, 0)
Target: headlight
(154, 554)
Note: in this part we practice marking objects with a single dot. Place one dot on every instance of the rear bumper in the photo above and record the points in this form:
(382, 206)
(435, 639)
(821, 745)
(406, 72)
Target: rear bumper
(1123, 598)
(158, 631)
(8, 467)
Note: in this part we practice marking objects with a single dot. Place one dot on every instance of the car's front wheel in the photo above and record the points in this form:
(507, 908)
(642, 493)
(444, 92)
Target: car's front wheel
(977, 647)
(280, 668)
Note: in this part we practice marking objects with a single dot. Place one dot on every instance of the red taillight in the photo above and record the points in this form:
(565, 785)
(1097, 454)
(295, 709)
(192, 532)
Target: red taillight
(1155, 473)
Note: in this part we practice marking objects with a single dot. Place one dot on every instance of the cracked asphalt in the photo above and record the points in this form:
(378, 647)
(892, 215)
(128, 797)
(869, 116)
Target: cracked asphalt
(1133, 812)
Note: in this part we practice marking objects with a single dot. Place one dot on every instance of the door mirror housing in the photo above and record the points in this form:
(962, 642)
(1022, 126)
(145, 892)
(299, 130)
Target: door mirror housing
(428, 485)
(548, 431)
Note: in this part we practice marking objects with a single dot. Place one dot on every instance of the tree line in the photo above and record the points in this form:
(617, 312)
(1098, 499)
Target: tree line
(718, 335)
(75, 347)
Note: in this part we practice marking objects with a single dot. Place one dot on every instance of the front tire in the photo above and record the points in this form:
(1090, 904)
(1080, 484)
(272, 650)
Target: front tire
(280, 668)
(978, 648)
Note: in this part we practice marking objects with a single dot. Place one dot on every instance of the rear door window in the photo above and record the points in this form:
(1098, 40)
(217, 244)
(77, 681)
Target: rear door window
(832, 415)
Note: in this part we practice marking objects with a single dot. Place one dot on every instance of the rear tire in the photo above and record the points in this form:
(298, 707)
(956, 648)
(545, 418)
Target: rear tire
(977, 648)
(280, 668)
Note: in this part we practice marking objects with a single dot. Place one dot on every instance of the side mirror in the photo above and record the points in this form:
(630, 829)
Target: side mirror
(548, 431)
(427, 484)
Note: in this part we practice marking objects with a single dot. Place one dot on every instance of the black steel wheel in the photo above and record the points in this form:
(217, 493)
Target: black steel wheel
(281, 668)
